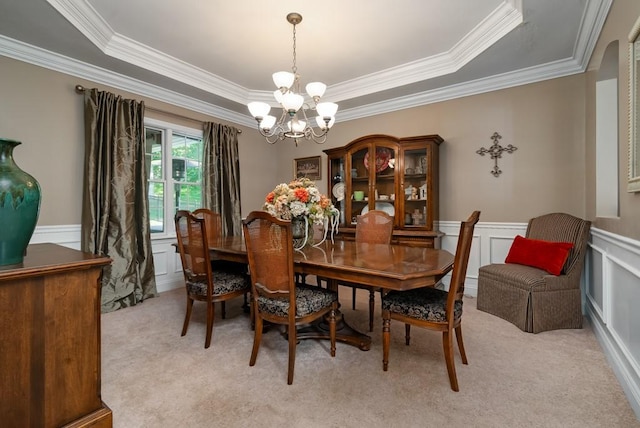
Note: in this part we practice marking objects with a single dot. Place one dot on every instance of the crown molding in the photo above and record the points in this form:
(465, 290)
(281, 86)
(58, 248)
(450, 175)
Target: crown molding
(40, 57)
(592, 23)
(143, 56)
(34, 55)
(593, 20)
(90, 23)
(493, 83)
(502, 20)
(86, 19)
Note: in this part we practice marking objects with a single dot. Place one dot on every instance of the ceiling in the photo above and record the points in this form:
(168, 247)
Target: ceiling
(374, 55)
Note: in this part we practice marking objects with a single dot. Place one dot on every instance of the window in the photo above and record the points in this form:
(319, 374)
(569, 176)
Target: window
(174, 165)
(607, 174)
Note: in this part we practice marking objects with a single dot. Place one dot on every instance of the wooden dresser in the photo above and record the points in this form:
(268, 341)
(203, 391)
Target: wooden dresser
(50, 340)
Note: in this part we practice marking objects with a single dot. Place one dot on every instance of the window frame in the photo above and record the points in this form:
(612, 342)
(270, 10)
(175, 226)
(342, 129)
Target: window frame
(168, 129)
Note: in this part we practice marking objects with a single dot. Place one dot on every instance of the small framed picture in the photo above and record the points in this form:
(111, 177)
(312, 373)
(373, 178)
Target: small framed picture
(308, 167)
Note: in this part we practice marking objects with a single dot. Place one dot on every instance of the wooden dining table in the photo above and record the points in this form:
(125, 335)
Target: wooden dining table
(381, 266)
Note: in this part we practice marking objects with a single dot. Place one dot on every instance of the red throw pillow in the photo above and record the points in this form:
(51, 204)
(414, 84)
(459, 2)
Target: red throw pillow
(547, 255)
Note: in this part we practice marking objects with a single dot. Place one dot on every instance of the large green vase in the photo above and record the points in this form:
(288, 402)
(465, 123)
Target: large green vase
(19, 206)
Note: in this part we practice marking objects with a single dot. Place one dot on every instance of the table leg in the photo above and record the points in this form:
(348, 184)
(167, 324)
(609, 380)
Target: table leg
(344, 332)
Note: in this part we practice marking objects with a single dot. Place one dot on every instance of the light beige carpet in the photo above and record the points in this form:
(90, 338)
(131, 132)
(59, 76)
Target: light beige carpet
(152, 377)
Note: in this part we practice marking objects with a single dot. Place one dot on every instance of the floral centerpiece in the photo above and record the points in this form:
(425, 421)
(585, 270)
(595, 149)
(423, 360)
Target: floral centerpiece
(299, 200)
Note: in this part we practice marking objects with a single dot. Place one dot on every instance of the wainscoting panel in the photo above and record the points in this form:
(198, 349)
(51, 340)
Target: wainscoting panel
(160, 262)
(499, 248)
(594, 280)
(65, 235)
(612, 295)
(168, 265)
(165, 259)
(491, 243)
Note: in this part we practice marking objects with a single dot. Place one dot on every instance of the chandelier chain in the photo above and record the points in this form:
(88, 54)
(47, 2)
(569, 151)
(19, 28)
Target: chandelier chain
(295, 67)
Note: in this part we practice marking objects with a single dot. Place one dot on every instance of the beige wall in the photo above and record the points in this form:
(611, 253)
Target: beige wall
(622, 16)
(551, 123)
(545, 121)
(41, 109)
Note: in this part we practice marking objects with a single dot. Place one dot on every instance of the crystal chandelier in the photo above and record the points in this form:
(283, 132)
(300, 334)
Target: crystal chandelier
(293, 122)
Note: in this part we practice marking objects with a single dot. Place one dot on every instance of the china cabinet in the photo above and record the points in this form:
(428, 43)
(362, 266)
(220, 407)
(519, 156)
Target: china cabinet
(396, 175)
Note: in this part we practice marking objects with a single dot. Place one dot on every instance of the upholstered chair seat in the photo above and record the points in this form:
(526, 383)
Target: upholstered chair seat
(427, 304)
(223, 283)
(309, 299)
(519, 276)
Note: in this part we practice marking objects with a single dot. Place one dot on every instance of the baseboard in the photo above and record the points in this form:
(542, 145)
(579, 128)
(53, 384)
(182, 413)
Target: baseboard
(619, 363)
(612, 291)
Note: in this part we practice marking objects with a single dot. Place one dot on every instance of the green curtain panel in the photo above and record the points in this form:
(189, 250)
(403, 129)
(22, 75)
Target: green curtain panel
(115, 215)
(221, 175)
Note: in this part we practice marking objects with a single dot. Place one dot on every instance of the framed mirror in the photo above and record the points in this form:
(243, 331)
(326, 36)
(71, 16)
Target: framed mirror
(633, 184)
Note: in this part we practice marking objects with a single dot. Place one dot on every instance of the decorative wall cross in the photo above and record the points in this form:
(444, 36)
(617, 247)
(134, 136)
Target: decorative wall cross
(496, 152)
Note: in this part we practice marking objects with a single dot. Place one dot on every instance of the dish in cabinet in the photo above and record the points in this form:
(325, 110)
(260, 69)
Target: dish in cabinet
(381, 206)
(383, 156)
(338, 191)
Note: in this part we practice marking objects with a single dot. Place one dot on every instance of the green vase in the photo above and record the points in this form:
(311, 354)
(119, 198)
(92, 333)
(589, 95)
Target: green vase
(19, 206)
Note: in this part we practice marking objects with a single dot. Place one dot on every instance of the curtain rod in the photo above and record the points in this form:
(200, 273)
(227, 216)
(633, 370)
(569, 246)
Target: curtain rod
(80, 89)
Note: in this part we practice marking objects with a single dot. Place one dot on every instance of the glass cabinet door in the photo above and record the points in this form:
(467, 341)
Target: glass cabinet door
(384, 187)
(415, 187)
(338, 186)
(358, 175)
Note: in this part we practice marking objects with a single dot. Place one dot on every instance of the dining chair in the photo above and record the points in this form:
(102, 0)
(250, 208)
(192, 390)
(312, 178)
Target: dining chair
(213, 223)
(275, 296)
(432, 308)
(373, 227)
(202, 283)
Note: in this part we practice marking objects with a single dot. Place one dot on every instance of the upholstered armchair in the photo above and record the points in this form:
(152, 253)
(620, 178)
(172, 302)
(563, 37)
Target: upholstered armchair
(530, 297)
